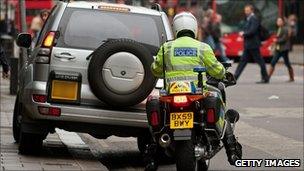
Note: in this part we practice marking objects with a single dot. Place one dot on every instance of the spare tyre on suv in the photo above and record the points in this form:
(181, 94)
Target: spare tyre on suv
(119, 72)
(89, 72)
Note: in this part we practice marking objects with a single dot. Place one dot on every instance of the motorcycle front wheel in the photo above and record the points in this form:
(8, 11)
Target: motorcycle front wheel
(185, 158)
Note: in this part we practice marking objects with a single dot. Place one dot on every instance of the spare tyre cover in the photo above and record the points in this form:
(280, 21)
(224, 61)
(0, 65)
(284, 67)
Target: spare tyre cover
(119, 72)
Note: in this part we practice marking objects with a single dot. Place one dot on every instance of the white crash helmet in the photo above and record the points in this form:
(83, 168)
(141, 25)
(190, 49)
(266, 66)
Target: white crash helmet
(184, 21)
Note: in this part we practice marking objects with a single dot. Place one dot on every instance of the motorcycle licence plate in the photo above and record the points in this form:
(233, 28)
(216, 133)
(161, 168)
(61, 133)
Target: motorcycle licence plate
(181, 120)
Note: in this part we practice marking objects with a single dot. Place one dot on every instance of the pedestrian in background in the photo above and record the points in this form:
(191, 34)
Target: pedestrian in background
(36, 26)
(206, 28)
(252, 44)
(216, 35)
(292, 28)
(44, 14)
(282, 47)
(4, 63)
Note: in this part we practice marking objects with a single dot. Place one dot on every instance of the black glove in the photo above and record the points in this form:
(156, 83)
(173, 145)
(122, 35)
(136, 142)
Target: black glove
(229, 79)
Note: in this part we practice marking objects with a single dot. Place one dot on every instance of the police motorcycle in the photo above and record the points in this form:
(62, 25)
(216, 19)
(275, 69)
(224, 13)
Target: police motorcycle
(189, 122)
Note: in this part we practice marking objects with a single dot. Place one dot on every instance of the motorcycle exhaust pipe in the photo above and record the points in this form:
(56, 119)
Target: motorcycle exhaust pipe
(164, 140)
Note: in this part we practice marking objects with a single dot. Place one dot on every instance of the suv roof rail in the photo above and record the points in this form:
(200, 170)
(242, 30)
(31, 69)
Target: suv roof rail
(156, 6)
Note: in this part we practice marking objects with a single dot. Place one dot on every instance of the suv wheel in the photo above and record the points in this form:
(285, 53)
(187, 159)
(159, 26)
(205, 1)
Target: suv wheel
(17, 119)
(119, 72)
(30, 143)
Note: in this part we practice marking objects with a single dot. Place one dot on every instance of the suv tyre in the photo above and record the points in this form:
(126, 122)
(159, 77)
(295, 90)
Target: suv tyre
(119, 72)
(16, 119)
(30, 143)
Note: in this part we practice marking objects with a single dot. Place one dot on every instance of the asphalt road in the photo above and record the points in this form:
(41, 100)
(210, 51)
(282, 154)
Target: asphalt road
(270, 127)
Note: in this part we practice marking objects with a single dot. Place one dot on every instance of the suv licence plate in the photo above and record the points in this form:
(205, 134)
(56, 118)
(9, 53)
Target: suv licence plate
(181, 120)
(64, 90)
(64, 87)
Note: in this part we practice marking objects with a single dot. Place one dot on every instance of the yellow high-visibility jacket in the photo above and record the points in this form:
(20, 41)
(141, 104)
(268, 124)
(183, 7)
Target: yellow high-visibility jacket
(181, 56)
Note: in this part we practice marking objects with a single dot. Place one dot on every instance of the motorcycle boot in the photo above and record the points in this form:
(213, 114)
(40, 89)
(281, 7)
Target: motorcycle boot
(150, 157)
(233, 148)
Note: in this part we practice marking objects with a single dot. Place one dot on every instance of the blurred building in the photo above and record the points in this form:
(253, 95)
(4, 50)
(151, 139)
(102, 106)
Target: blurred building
(7, 16)
(233, 15)
(231, 10)
(33, 8)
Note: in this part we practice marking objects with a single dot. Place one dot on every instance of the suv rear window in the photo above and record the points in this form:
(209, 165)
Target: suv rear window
(86, 28)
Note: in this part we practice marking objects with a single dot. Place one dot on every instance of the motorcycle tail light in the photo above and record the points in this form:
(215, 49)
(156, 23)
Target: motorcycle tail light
(193, 98)
(154, 119)
(210, 115)
(180, 101)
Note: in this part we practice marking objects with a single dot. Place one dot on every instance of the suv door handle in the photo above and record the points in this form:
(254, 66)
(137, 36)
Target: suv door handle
(64, 55)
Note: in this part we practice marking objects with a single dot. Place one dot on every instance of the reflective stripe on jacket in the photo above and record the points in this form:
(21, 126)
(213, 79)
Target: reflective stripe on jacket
(181, 56)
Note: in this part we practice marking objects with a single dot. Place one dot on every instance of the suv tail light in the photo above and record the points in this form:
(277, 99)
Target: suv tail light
(44, 52)
(49, 39)
(39, 98)
(52, 111)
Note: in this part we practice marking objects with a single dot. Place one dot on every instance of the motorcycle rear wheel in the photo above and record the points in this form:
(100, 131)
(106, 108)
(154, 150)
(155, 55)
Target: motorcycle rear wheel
(185, 158)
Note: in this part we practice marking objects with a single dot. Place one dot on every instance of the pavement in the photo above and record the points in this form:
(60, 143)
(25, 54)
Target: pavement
(271, 127)
(296, 56)
(61, 151)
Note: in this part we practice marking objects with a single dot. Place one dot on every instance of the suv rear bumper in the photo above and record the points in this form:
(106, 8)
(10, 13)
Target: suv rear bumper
(80, 113)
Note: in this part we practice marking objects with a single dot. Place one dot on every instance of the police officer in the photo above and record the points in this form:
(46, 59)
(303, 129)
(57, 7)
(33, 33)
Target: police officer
(185, 53)
(181, 56)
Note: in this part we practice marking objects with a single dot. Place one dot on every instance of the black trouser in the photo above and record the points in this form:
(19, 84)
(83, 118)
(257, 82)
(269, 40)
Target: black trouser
(255, 54)
(277, 56)
(3, 60)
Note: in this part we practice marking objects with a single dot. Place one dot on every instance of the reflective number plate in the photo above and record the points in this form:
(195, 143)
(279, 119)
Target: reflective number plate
(64, 90)
(181, 120)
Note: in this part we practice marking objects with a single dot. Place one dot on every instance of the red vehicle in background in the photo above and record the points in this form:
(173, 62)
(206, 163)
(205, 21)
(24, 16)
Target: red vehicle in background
(33, 8)
(233, 20)
(233, 45)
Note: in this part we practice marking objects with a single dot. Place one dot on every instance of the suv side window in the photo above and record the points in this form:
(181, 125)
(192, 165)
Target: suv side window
(48, 23)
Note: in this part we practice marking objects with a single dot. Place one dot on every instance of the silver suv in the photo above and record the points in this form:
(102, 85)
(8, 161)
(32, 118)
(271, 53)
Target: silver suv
(89, 72)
